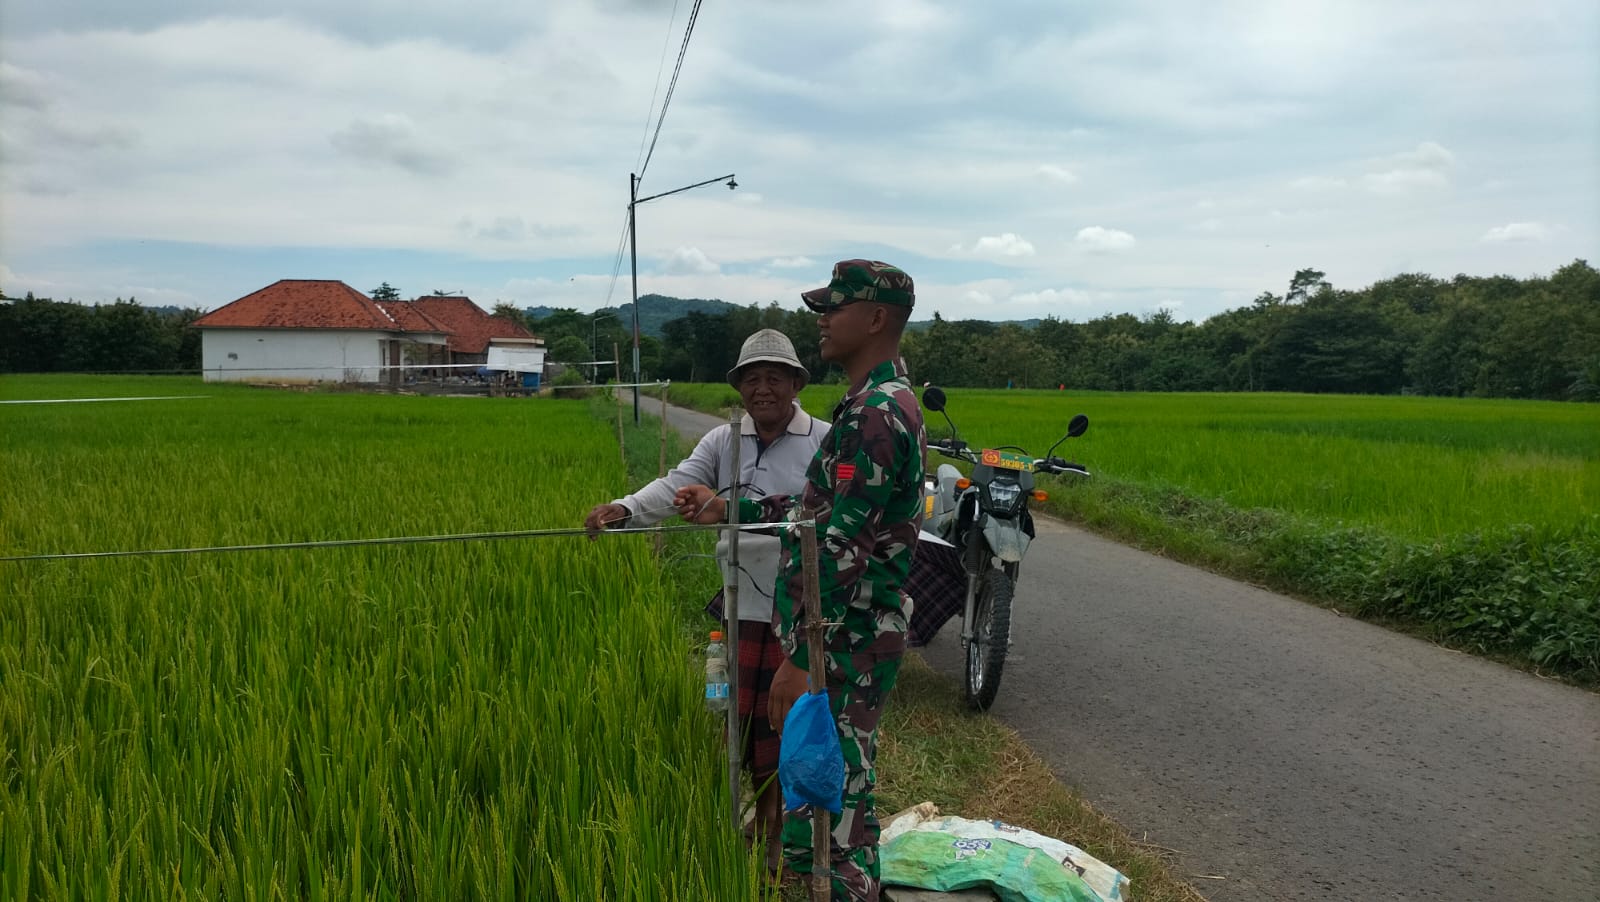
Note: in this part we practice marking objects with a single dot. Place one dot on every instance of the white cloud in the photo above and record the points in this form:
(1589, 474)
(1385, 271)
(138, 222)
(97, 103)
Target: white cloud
(514, 228)
(792, 262)
(1058, 174)
(23, 87)
(1101, 240)
(1421, 170)
(389, 138)
(1009, 244)
(1514, 232)
(1052, 298)
(690, 261)
(915, 15)
(1317, 183)
(1428, 155)
(1405, 181)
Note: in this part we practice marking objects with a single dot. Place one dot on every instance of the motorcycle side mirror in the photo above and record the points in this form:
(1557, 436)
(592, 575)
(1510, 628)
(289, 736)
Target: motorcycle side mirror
(933, 399)
(1076, 426)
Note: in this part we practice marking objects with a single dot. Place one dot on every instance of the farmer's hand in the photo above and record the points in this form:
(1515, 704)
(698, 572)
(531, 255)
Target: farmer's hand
(700, 504)
(788, 684)
(604, 516)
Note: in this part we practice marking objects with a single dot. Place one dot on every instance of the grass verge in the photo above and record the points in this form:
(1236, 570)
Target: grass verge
(931, 748)
(1525, 596)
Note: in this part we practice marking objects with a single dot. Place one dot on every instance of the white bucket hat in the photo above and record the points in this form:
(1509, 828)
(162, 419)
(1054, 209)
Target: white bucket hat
(769, 346)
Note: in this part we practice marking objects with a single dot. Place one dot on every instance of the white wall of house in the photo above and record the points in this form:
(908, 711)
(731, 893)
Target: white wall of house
(292, 355)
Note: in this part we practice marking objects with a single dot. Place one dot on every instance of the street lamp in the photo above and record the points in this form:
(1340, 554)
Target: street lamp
(594, 347)
(635, 200)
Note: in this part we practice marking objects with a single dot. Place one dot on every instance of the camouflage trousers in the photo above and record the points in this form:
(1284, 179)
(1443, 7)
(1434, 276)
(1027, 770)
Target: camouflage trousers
(858, 689)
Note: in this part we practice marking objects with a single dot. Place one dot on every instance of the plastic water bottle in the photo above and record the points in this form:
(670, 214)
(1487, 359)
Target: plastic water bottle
(716, 674)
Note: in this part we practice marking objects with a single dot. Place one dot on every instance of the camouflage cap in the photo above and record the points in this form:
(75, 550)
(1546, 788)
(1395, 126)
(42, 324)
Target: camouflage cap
(862, 280)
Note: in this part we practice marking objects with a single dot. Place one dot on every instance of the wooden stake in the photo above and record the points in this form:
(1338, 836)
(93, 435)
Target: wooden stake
(821, 834)
(661, 465)
(661, 462)
(730, 610)
(616, 356)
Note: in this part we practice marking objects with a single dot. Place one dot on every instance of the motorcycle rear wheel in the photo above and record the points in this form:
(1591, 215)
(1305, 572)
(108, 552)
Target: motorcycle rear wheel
(991, 638)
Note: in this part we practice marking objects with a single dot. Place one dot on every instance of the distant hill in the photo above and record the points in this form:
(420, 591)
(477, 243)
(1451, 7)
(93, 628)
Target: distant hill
(655, 311)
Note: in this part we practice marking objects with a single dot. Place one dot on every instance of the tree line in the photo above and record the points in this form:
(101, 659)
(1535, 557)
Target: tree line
(39, 335)
(1470, 336)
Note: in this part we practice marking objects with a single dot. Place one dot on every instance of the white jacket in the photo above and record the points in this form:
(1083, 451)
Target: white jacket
(778, 469)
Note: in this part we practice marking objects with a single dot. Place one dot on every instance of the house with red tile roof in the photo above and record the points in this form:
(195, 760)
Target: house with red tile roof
(471, 329)
(312, 330)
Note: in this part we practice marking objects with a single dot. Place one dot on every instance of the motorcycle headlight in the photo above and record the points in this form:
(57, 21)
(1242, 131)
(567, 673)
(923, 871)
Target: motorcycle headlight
(1004, 494)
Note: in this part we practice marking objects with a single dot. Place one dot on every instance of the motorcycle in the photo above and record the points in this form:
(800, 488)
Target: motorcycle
(985, 521)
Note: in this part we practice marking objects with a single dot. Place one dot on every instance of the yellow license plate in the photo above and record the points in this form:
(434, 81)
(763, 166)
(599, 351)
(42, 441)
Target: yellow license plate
(1005, 460)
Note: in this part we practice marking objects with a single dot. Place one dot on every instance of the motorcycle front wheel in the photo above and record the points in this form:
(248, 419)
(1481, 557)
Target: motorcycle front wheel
(991, 637)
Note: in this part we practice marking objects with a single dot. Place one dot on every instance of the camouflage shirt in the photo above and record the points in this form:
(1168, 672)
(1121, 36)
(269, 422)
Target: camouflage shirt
(865, 486)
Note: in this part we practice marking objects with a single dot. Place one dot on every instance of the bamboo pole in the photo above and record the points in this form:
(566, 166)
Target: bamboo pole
(730, 611)
(821, 835)
(661, 461)
(616, 356)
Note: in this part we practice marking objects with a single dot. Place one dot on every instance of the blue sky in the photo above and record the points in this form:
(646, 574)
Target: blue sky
(1020, 159)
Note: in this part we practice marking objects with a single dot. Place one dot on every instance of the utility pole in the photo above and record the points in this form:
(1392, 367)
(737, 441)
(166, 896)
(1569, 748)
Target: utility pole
(634, 200)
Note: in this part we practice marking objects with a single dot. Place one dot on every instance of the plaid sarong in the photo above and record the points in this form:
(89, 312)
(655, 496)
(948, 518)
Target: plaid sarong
(938, 590)
(759, 658)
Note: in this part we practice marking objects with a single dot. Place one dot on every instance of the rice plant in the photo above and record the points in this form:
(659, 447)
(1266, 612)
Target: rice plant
(512, 720)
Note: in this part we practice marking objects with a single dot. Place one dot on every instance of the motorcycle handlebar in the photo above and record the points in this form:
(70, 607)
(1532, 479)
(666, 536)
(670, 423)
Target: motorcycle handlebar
(959, 450)
(1058, 465)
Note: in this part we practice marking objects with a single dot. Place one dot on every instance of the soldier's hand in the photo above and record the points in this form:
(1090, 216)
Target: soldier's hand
(788, 684)
(700, 504)
(604, 516)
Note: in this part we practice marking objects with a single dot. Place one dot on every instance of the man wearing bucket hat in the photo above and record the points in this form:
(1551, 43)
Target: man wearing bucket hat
(779, 439)
(865, 485)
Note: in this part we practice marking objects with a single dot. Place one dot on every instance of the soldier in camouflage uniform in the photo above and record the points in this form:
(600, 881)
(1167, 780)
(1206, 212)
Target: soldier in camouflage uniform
(865, 486)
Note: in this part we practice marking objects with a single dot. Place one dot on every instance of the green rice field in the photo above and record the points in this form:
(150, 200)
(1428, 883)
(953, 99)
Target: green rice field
(495, 719)
(1479, 519)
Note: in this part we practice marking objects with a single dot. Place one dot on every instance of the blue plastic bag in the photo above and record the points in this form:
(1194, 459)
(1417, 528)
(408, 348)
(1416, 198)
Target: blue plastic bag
(810, 762)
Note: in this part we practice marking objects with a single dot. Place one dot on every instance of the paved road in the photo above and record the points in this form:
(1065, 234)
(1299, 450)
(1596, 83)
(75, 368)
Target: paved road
(1295, 753)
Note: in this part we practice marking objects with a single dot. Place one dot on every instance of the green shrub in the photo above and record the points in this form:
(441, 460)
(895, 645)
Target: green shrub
(570, 385)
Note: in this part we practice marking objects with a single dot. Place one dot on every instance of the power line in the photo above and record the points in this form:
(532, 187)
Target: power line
(616, 263)
(688, 32)
(622, 239)
(666, 41)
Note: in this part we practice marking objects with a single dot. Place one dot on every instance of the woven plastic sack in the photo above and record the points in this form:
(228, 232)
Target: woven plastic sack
(810, 763)
(951, 853)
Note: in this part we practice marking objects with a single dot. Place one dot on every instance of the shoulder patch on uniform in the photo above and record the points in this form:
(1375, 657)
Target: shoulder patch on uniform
(850, 442)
